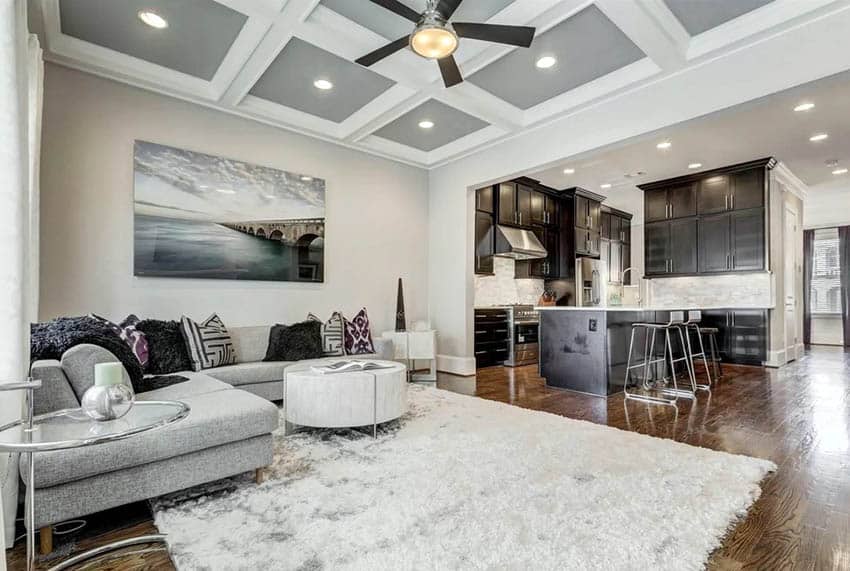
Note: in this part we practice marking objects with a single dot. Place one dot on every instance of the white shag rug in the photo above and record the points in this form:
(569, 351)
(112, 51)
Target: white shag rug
(466, 483)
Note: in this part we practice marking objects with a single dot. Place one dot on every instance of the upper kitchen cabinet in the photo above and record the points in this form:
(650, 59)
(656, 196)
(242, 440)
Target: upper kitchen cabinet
(736, 190)
(515, 202)
(728, 229)
(666, 203)
(484, 230)
(544, 209)
(484, 199)
(588, 210)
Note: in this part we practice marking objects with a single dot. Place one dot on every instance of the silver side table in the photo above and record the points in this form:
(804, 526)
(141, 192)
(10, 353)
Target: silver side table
(71, 428)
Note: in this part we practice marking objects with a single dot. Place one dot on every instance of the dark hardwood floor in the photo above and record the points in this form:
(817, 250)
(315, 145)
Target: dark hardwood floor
(797, 416)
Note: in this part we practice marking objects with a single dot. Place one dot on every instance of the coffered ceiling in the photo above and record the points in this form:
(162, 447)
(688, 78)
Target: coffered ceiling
(260, 59)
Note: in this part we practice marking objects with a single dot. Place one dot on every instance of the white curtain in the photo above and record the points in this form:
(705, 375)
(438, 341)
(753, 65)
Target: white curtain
(21, 75)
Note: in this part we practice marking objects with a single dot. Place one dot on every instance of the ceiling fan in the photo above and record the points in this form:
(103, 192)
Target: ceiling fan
(435, 38)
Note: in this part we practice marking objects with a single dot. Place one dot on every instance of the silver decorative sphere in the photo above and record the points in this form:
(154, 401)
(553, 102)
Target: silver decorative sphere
(107, 402)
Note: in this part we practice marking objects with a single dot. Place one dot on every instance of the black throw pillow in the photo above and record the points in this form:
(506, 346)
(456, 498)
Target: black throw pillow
(295, 342)
(166, 347)
(50, 339)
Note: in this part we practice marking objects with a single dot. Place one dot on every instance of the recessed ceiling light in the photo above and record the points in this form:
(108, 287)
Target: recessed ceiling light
(270, 196)
(606, 185)
(664, 145)
(306, 178)
(545, 62)
(840, 171)
(323, 84)
(694, 165)
(804, 107)
(153, 19)
(426, 124)
(569, 171)
(818, 137)
(225, 191)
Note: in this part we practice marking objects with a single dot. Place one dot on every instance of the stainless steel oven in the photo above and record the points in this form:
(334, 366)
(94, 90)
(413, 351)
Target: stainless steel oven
(524, 325)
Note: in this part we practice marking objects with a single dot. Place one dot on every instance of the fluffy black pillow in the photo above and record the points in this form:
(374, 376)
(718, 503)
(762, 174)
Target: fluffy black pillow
(166, 347)
(295, 342)
(50, 339)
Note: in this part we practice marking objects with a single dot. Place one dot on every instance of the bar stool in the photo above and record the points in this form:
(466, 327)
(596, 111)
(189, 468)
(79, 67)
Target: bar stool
(692, 326)
(716, 363)
(666, 395)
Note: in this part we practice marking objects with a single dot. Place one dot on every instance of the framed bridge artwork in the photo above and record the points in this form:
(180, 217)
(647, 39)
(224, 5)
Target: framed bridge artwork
(202, 216)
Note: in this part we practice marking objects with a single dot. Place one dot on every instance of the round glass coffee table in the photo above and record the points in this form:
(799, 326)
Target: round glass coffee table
(71, 428)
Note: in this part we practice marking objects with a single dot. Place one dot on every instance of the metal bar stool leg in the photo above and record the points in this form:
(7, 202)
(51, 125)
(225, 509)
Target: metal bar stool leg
(702, 353)
(648, 360)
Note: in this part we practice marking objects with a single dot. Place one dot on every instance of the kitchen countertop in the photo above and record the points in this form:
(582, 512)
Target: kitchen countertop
(637, 308)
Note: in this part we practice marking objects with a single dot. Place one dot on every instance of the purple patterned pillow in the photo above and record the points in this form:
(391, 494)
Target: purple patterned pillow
(134, 338)
(358, 338)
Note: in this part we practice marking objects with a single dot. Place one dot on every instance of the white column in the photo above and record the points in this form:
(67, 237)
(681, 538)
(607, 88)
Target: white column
(14, 335)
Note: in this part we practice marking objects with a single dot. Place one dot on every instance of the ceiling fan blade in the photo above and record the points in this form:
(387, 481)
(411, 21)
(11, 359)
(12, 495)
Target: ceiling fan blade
(401, 9)
(450, 71)
(382, 52)
(514, 35)
(448, 7)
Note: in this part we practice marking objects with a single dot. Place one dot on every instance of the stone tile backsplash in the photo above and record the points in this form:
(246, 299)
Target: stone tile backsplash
(503, 289)
(726, 291)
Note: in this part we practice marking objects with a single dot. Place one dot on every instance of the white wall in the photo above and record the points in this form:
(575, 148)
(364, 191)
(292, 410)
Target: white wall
(826, 208)
(827, 330)
(376, 225)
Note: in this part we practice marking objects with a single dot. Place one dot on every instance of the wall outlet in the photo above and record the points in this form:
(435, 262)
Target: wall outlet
(591, 325)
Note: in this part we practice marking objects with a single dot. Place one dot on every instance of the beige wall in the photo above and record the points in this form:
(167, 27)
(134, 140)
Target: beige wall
(376, 228)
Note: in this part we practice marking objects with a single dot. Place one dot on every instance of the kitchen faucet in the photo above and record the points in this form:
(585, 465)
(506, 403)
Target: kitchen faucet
(624, 286)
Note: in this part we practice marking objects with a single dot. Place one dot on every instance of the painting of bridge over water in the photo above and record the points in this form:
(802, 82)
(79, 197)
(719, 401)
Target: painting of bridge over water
(202, 216)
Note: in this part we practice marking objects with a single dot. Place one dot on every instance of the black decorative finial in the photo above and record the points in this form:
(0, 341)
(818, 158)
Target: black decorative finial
(399, 309)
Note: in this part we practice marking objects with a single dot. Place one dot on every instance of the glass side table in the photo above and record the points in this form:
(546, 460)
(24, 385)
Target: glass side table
(71, 428)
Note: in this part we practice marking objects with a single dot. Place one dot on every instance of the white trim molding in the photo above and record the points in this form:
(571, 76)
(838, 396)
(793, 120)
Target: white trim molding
(462, 366)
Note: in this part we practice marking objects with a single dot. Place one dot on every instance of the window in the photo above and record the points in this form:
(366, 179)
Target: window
(826, 282)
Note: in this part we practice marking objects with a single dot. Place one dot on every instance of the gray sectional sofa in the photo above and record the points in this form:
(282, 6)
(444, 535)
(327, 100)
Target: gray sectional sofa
(228, 432)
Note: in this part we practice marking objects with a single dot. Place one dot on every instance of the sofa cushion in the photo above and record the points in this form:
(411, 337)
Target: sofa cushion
(198, 384)
(250, 343)
(250, 373)
(215, 418)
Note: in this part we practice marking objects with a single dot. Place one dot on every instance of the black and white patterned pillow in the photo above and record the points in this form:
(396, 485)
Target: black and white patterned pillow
(208, 342)
(332, 334)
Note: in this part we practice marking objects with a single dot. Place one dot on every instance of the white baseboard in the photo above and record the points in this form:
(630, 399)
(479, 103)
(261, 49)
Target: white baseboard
(801, 348)
(464, 366)
(775, 358)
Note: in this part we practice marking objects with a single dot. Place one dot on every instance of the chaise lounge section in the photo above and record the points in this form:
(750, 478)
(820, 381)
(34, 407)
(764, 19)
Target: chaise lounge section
(228, 431)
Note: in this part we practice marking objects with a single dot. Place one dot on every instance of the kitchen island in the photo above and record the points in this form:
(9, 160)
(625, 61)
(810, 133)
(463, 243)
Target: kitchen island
(585, 349)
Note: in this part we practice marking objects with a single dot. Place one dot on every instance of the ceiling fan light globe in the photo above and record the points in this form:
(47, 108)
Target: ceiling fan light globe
(433, 41)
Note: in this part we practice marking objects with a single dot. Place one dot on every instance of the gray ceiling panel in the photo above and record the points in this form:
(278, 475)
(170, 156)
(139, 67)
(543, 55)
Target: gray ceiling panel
(449, 124)
(587, 46)
(392, 26)
(289, 81)
(198, 36)
(697, 16)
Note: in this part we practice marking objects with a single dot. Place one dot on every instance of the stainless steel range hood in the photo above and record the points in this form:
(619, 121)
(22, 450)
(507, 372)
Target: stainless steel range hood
(518, 244)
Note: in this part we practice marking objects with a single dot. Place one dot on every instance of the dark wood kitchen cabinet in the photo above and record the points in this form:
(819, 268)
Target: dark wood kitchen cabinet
(678, 201)
(484, 242)
(586, 208)
(491, 337)
(544, 209)
(726, 228)
(671, 247)
(485, 230)
(733, 191)
(588, 213)
(732, 242)
(548, 267)
(742, 334)
(515, 204)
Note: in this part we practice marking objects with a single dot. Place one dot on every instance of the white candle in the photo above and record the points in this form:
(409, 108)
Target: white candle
(106, 374)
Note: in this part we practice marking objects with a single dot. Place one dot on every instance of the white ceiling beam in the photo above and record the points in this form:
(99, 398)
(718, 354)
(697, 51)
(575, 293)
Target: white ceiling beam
(387, 116)
(480, 103)
(652, 27)
(267, 49)
(776, 17)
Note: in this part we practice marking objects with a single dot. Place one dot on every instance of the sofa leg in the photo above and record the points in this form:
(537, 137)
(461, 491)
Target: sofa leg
(45, 539)
(260, 475)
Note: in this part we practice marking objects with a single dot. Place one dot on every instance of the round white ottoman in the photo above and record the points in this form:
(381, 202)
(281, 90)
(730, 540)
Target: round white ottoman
(340, 400)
